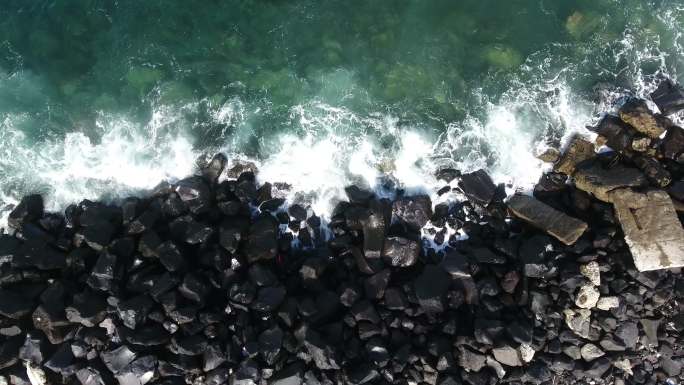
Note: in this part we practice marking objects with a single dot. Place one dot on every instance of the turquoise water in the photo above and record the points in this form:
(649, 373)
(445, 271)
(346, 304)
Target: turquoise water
(100, 99)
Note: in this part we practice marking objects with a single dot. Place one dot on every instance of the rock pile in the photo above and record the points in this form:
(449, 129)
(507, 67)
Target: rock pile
(199, 283)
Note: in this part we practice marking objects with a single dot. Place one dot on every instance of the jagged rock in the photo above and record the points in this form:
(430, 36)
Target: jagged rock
(32, 349)
(415, 211)
(214, 168)
(269, 298)
(592, 271)
(116, 360)
(563, 227)
(430, 288)
(134, 311)
(139, 372)
(591, 352)
(87, 308)
(401, 252)
(471, 360)
(375, 285)
(526, 352)
(62, 361)
(549, 155)
(292, 374)
(195, 193)
(262, 242)
(628, 332)
(625, 365)
(35, 374)
(636, 113)
(672, 146)
(669, 97)
(374, 227)
(600, 182)
(507, 355)
(28, 210)
(587, 296)
(617, 134)
(652, 229)
(578, 151)
(654, 171)
(478, 186)
(579, 321)
(447, 174)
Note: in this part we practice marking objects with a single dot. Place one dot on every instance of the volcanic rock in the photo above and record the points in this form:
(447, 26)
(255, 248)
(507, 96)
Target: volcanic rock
(554, 222)
(478, 186)
(401, 252)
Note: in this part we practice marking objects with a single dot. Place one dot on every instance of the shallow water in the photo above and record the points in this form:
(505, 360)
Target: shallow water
(100, 99)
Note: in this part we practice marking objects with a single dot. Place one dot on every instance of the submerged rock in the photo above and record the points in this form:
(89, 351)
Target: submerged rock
(669, 97)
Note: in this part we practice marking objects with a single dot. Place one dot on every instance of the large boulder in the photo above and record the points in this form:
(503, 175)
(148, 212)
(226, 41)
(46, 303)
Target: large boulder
(636, 113)
(652, 229)
(262, 241)
(415, 211)
(600, 181)
(578, 151)
(669, 97)
(616, 134)
(566, 228)
(478, 187)
(29, 209)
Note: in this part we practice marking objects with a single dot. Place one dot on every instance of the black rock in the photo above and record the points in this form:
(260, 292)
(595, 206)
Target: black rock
(62, 361)
(28, 210)
(148, 244)
(32, 349)
(195, 288)
(170, 256)
(470, 359)
(297, 212)
(455, 264)
(358, 195)
(90, 376)
(415, 211)
(213, 357)
(104, 272)
(365, 311)
(598, 368)
(246, 374)
(488, 287)
(262, 275)
(87, 308)
(99, 234)
(269, 298)
(243, 293)
(672, 145)
(139, 372)
(628, 332)
(270, 342)
(117, 359)
(14, 305)
(151, 335)
(349, 295)
(292, 374)
(669, 97)
(375, 285)
(9, 351)
(190, 346)
(262, 240)
(447, 174)
(143, 222)
(430, 288)
(395, 299)
(134, 311)
(214, 168)
(485, 255)
(374, 226)
(362, 374)
(196, 194)
(478, 186)
(520, 333)
(323, 355)
(401, 252)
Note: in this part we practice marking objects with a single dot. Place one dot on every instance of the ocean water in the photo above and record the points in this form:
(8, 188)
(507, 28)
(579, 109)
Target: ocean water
(100, 99)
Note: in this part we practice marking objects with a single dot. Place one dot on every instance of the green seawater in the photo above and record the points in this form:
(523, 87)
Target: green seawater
(102, 98)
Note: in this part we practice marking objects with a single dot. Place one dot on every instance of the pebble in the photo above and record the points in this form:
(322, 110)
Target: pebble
(592, 271)
(587, 296)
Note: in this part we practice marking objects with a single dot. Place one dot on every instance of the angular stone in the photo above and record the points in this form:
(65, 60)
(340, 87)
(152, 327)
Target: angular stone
(672, 146)
(579, 321)
(578, 151)
(213, 169)
(134, 311)
(292, 374)
(262, 240)
(401, 252)
(507, 355)
(269, 298)
(430, 288)
(195, 192)
(415, 211)
(375, 285)
(478, 187)
(600, 182)
(549, 155)
(62, 361)
(116, 360)
(13, 305)
(607, 303)
(617, 134)
(470, 359)
(636, 113)
(565, 228)
(592, 271)
(628, 332)
(87, 308)
(654, 170)
(591, 352)
(652, 229)
(28, 210)
(669, 97)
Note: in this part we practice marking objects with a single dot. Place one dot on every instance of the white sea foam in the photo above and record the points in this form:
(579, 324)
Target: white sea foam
(329, 147)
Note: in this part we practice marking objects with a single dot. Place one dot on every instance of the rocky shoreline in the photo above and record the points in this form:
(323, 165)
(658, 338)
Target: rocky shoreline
(208, 282)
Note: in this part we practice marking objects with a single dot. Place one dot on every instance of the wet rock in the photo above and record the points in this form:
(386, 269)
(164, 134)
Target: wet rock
(28, 210)
(195, 193)
(601, 182)
(510, 281)
(190, 346)
(636, 113)
(365, 311)
(447, 174)
(415, 211)
(652, 229)
(401, 252)
(358, 195)
(213, 169)
(578, 151)
(478, 187)
(654, 171)
(618, 135)
(262, 242)
(9, 350)
(563, 227)
(669, 97)
(587, 296)
(549, 155)
(430, 287)
(507, 355)
(672, 146)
